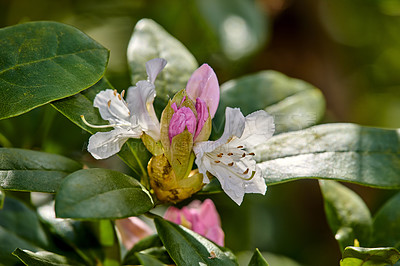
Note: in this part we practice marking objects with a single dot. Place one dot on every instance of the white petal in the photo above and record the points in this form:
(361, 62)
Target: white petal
(140, 101)
(259, 128)
(114, 111)
(105, 144)
(154, 67)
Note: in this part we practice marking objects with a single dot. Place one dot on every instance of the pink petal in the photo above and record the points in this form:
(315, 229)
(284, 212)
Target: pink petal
(209, 214)
(173, 215)
(182, 119)
(132, 230)
(203, 84)
(202, 115)
(216, 234)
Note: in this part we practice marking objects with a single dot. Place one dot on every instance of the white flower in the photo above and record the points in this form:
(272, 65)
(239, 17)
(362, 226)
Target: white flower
(228, 158)
(129, 118)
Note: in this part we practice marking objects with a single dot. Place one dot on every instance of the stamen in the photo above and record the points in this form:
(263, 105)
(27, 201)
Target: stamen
(119, 97)
(230, 154)
(246, 172)
(240, 147)
(251, 177)
(95, 126)
(220, 155)
(217, 161)
(230, 164)
(244, 154)
(252, 153)
(109, 103)
(123, 93)
(115, 92)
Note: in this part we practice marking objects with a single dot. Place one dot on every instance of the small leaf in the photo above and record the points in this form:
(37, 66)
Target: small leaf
(44, 61)
(101, 194)
(357, 256)
(43, 258)
(345, 152)
(387, 224)
(258, 259)
(294, 103)
(347, 214)
(188, 248)
(239, 25)
(145, 243)
(26, 170)
(19, 228)
(149, 40)
(148, 260)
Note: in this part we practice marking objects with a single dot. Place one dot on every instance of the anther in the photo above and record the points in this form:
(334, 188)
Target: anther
(109, 103)
(217, 161)
(220, 155)
(230, 154)
(252, 153)
(123, 93)
(119, 97)
(244, 154)
(246, 172)
(115, 92)
(239, 147)
(230, 164)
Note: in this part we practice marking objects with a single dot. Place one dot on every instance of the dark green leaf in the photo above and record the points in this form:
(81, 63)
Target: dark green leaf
(239, 25)
(294, 103)
(346, 152)
(44, 61)
(110, 246)
(150, 40)
(148, 260)
(27, 170)
(357, 256)
(133, 153)
(101, 194)
(146, 243)
(347, 214)
(43, 258)
(19, 228)
(188, 248)
(387, 224)
(258, 259)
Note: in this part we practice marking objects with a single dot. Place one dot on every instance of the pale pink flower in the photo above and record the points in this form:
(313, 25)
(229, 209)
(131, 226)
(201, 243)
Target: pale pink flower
(201, 218)
(132, 230)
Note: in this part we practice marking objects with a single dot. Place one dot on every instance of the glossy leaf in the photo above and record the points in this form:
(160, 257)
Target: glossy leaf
(258, 259)
(386, 224)
(188, 248)
(19, 228)
(26, 170)
(44, 258)
(101, 194)
(239, 25)
(44, 61)
(133, 153)
(347, 214)
(149, 40)
(149, 245)
(148, 260)
(357, 256)
(345, 152)
(294, 103)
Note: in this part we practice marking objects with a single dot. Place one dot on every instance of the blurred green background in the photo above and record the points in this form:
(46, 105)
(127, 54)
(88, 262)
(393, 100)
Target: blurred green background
(350, 49)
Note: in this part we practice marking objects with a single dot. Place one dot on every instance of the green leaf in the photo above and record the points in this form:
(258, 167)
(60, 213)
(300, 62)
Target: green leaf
(26, 170)
(347, 214)
(101, 194)
(345, 152)
(239, 25)
(146, 243)
(2, 197)
(357, 256)
(188, 248)
(148, 260)
(258, 259)
(44, 61)
(43, 258)
(19, 228)
(386, 225)
(133, 153)
(294, 103)
(149, 40)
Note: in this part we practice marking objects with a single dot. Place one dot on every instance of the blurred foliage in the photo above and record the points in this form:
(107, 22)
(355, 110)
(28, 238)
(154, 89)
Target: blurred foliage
(350, 49)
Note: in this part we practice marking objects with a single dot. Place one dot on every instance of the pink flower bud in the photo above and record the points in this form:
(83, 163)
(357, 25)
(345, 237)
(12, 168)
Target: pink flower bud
(203, 84)
(202, 218)
(182, 118)
(202, 115)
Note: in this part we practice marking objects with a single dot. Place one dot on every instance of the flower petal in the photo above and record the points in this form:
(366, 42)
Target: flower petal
(183, 118)
(132, 230)
(258, 129)
(140, 101)
(203, 84)
(111, 107)
(154, 67)
(105, 144)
